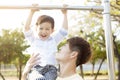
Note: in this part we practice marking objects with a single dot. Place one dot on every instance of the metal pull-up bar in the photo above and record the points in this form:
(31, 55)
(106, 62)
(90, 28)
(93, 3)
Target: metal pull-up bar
(49, 7)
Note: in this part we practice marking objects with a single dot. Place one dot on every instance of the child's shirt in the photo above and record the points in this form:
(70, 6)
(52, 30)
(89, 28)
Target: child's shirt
(47, 48)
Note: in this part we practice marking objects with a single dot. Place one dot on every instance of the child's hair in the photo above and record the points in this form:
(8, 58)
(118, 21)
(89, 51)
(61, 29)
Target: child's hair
(82, 47)
(45, 18)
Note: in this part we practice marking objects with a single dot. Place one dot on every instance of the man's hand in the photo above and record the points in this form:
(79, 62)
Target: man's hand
(34, 59)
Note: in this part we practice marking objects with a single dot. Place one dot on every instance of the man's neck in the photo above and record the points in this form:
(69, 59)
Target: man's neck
(67, 70)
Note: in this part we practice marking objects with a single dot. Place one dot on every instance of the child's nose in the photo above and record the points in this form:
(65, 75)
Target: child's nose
(43, 31)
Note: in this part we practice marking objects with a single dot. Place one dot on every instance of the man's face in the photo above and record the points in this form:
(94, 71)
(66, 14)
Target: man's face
(44, 30)
(63, 54)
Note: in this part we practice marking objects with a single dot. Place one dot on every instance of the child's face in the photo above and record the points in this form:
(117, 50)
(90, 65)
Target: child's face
(44, 30)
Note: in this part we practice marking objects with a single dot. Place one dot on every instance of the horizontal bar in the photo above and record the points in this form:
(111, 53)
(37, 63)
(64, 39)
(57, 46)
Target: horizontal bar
(49, 7)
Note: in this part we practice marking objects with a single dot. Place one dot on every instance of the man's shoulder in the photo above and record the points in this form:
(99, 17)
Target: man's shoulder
(73, 77)
(77, 77)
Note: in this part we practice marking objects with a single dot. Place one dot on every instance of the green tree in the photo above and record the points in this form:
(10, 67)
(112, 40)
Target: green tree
(90, 27)
(115, 17)
(89, 21)
(12, 45)
(97, 41)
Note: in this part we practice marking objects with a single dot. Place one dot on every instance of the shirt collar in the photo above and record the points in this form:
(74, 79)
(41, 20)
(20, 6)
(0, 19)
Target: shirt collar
(49, 38)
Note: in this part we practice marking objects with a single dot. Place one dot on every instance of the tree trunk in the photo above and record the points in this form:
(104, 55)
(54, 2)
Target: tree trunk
(81, 70)
(99, 68)
(20, 72)
(2, 76)
(93, 66)
(20, 69)
(119, 68)
(117, 55)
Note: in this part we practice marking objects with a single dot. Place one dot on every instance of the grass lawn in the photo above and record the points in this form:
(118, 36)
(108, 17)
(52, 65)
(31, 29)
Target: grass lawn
(12, 75)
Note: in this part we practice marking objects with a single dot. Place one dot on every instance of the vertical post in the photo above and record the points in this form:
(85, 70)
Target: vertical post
(109, 40)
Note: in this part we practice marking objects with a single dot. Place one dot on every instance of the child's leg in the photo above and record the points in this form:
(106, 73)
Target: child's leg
(49, 72)
(34, 73)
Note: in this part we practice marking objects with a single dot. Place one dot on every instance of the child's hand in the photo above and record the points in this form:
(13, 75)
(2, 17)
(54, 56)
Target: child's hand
(64, 11)
(35, 8)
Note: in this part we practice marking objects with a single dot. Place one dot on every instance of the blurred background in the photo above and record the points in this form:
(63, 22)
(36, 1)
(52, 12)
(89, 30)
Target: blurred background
(84, 23)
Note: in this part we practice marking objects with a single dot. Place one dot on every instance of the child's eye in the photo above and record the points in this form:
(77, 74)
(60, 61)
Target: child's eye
(40, 28)
(47, 29)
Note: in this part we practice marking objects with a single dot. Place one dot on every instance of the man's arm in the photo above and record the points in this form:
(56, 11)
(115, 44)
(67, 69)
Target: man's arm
(33, 60)
(24, 76)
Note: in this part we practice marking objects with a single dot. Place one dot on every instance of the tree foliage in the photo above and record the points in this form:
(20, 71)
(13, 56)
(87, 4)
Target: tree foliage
(115, 17)
(12, 45)
(90, 26)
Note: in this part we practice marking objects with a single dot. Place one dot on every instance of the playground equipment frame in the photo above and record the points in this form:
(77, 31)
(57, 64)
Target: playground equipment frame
(49, 7)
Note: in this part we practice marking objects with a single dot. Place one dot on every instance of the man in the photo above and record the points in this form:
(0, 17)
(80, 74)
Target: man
(75, 52)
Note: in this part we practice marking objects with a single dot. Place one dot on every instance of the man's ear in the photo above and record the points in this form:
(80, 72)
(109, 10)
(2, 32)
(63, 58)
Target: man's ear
(74, 54)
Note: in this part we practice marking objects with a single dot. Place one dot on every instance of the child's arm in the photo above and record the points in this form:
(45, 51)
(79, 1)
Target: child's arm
(60, 34)
(65, 21)
(29, 19)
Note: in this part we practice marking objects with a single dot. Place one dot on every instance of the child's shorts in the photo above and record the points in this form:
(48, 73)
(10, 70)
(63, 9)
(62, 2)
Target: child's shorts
(48, 72)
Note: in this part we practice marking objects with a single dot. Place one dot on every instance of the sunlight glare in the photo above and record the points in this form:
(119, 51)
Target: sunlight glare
(10, 19)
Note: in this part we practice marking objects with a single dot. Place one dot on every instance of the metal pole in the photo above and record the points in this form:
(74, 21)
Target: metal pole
(109, 40)
(49, 7)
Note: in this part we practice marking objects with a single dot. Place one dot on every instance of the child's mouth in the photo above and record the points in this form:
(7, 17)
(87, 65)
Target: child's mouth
(43, 36)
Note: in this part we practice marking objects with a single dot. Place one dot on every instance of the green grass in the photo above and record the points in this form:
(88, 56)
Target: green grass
(101, 72)
(86, 73)
(9, 73)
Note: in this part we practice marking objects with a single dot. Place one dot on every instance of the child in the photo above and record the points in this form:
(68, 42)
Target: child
(45, 43)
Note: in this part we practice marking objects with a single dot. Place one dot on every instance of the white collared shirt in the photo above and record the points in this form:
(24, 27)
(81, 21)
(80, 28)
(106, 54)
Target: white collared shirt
(46, 48)
(73, 77)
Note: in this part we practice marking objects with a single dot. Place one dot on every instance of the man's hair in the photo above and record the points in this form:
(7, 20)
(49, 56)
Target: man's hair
(82, 47)
(45, 18)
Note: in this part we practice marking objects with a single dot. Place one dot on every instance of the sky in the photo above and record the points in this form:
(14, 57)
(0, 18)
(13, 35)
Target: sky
(14, 18)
